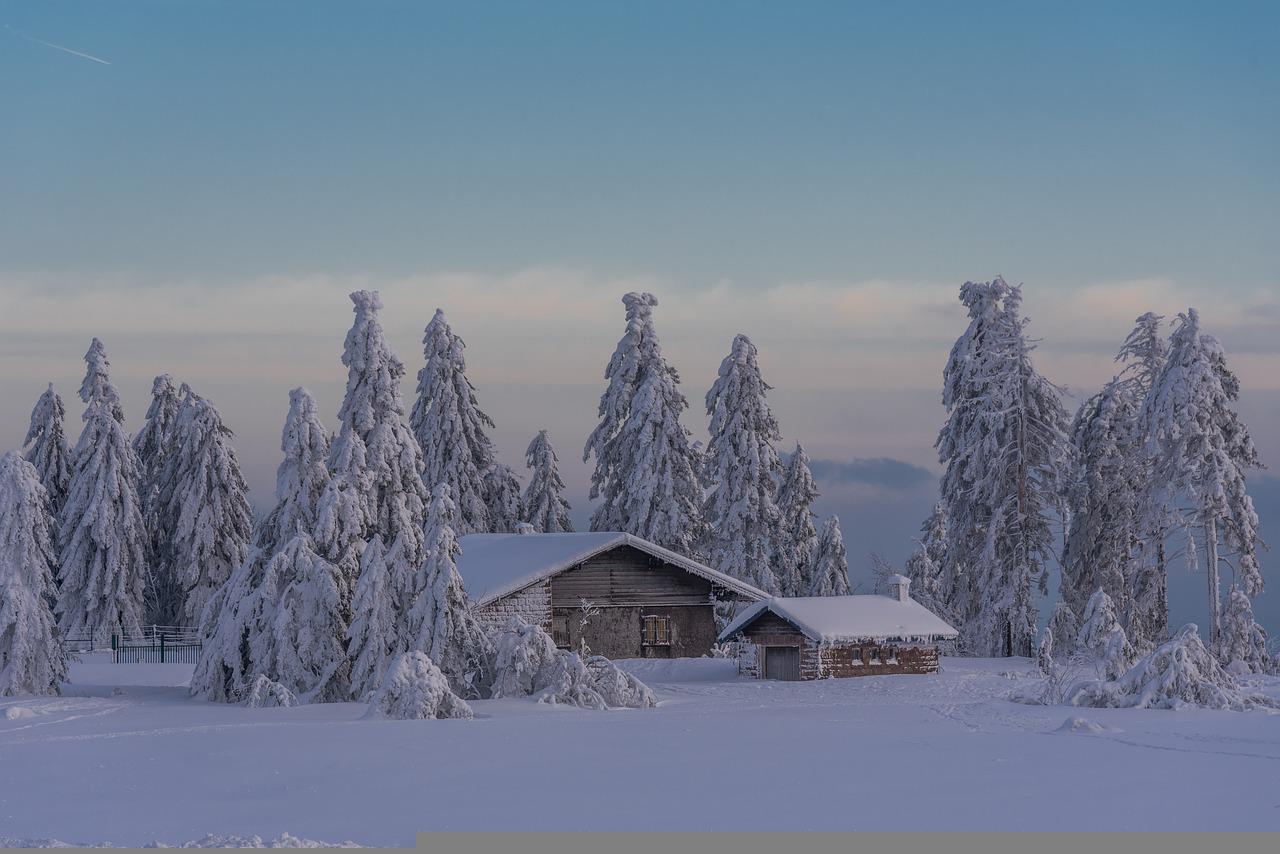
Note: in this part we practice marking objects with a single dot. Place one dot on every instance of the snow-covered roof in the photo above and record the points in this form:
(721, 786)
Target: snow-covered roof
(848, 618)
(496, 565)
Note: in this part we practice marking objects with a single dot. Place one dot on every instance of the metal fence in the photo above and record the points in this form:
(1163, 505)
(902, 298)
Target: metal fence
(158, 650)
(158, 644)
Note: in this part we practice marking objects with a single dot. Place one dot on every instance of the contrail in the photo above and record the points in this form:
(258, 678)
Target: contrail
(31, 38)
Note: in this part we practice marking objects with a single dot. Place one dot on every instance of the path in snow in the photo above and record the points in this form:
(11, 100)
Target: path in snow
(127, 756)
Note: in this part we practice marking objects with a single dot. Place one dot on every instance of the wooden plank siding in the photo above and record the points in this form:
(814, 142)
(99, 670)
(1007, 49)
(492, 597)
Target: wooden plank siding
(628, 576)
(626, 585)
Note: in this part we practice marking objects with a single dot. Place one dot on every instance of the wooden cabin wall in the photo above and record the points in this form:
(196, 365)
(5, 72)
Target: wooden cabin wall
(626, 585)
(628, 576)
(617, 631)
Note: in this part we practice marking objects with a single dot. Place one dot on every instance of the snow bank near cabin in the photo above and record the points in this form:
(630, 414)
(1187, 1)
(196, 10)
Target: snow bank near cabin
(415, 689)
(284, 840)
(1180, 672)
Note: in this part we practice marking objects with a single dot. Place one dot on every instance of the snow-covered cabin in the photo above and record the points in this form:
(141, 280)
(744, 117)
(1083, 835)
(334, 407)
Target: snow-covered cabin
(813, 637)
(625, 596)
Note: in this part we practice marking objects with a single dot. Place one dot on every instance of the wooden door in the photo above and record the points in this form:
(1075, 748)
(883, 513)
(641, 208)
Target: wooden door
(782, 662)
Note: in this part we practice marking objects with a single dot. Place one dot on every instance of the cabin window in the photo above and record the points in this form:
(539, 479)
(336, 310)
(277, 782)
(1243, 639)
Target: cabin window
(560, 630)
(874, 655)
(657, 631)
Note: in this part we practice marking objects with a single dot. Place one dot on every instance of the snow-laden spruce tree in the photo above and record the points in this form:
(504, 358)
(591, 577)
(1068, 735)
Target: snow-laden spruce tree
(1005, 455)
(157, 484)
(238, 631)
(384, 468)
(238, 627)
(1064, 628)
(544, 505)
(1105, 498)
(344, 513)
(797, 530)
(205, 511)
(47, 450)
(373, 636)
(924, 566)
(1145, 352)
(102, 538)
(1202, 451)
(310, 626)
(1118, 518)
(32, 659)
(152, 444)
(502, 496)
(440, 622)
(829, 572)
(302, 476)
(741, 511)
(154, 439)
(451, 428)
(1102, 637)
(1242, 648)
(647, 472)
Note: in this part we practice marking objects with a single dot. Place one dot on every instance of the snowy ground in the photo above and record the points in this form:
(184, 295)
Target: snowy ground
(126, 756)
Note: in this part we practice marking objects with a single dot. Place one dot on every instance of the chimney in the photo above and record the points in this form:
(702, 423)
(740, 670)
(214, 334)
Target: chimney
(899, 587)
(525, 528)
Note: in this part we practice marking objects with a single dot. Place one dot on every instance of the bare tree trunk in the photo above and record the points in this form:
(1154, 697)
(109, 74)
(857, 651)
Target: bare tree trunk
(1211, 552)
(1160, 630)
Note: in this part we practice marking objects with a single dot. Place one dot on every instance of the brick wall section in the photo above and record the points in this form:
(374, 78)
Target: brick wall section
(533, 605)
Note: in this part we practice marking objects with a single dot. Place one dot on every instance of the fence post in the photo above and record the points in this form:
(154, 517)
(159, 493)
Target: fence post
(162, 647)
(115, 649)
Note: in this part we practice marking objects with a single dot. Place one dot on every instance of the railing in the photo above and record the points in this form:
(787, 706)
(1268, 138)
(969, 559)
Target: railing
(149, 643)
(159, 648)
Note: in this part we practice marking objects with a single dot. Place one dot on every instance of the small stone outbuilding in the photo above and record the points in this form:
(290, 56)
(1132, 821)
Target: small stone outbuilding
(816, 637)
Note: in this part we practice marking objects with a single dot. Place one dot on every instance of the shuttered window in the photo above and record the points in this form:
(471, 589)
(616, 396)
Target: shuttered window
(657, 631)
(560, 630)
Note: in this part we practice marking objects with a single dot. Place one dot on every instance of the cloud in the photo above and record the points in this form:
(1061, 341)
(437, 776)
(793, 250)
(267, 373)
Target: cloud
(884, 472)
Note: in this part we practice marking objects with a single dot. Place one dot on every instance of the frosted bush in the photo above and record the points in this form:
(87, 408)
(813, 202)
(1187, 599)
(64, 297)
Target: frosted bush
(415, 689)
(568, 682)
(1180, 672)
(1102, 637)
(265, 694)
(619, 689)
(528, 664)
(523, 651)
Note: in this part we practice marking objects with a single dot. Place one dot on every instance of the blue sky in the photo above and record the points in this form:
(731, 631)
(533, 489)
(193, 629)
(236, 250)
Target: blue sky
(753, 140)
(820, 175)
